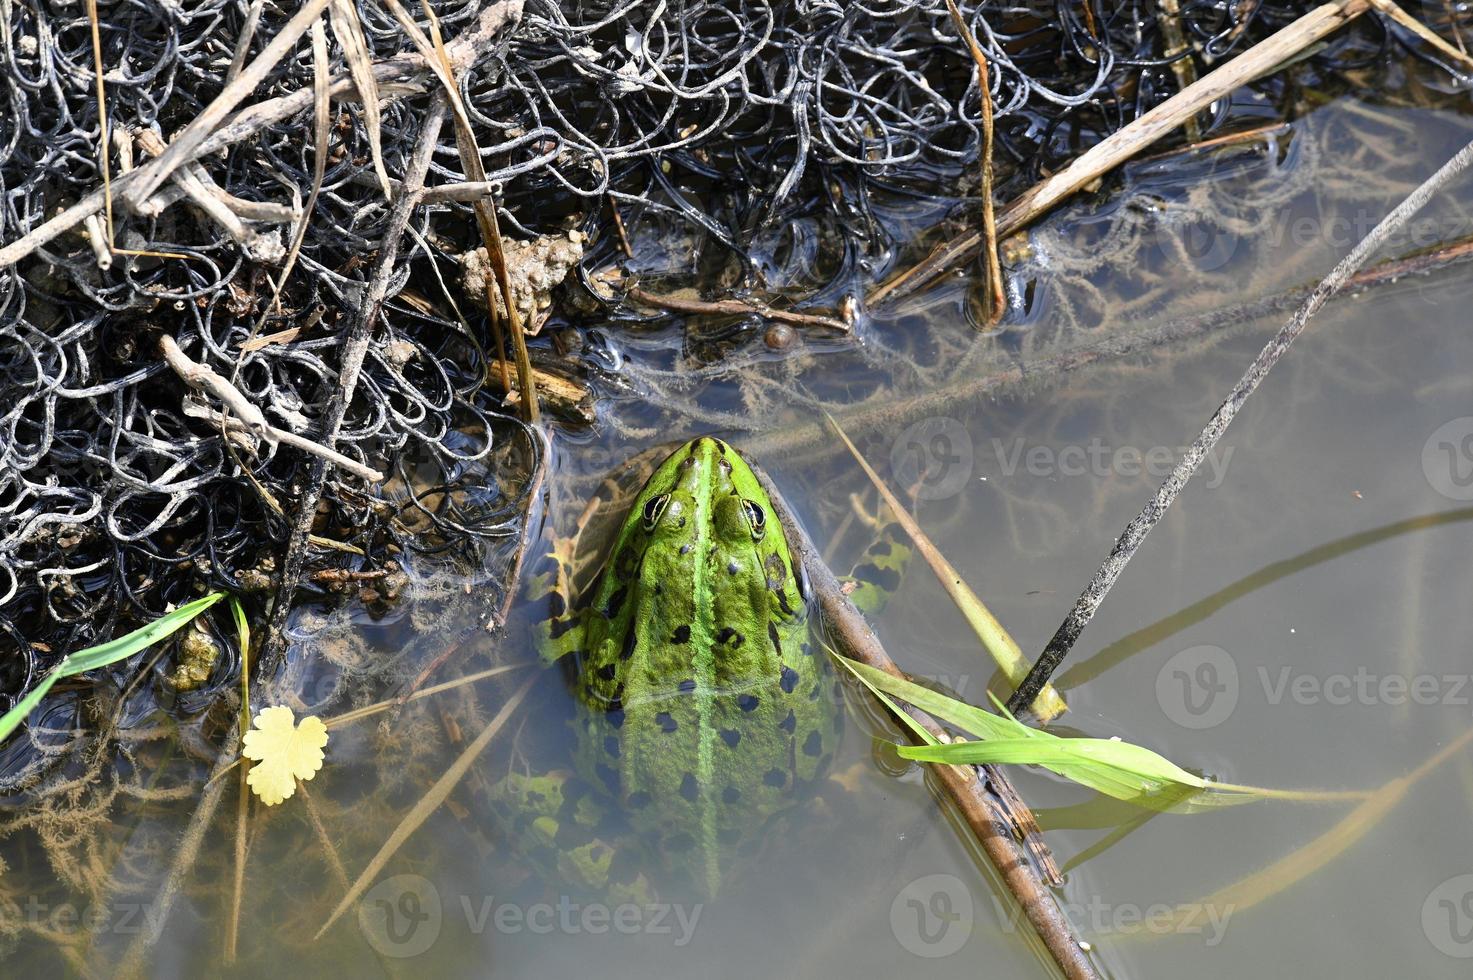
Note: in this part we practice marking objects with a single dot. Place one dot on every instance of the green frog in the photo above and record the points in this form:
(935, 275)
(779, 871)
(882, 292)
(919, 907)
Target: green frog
(705, 704)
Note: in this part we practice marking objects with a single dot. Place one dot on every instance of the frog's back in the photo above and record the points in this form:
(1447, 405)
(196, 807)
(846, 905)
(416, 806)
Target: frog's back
(708, 704)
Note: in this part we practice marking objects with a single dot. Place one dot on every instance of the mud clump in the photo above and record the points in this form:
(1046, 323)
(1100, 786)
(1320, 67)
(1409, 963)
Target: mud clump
(534, 268)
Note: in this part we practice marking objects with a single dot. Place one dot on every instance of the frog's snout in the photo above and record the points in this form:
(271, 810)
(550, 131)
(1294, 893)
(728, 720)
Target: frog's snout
(705, 458)
(702, 445)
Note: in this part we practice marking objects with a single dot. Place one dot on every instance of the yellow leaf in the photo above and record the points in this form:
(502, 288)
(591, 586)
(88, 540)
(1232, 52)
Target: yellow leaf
(283, 752)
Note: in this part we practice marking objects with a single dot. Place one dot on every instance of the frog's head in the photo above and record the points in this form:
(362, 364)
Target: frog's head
(705, 496)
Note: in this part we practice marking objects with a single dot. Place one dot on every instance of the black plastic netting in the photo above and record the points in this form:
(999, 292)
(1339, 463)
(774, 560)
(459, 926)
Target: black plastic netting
(741, 140)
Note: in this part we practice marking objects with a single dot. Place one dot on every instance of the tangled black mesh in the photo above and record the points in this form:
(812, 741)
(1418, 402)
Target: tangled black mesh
(774, 146)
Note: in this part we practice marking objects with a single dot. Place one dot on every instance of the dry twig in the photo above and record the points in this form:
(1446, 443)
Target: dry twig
(355, 348)
(1104, 156)
(204, 378)
(997, 296)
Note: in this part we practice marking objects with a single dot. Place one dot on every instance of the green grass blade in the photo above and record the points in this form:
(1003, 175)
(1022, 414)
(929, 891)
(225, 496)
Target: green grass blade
(242, 627)
(103, 654)
(12, 719)
(910, 723)
(130, 643)
(983, 724)
(1117, 769)
(243, 637)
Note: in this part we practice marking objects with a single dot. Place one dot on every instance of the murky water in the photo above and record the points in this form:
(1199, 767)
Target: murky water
(1300, 620)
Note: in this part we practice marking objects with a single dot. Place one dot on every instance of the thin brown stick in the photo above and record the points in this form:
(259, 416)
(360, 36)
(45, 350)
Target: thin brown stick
(1240, 136)
(619, 228)
(314, 817)
(997, 304)
(355, 349)
(984, 814)
(237, 885)
(243, 799)
(1262, 59)
(732, 307)
(1089, 19)
(103, 156)
(436, 56)
(1404, 19)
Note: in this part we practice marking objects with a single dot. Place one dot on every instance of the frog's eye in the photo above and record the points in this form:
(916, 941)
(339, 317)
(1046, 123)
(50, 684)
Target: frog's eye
(653, 508)
(755, 519)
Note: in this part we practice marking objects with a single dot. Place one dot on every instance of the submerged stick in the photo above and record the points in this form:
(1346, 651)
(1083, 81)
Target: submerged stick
(733, 307)
(427, 805)
(186, 852)
(984, 813)
(1135, 532)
